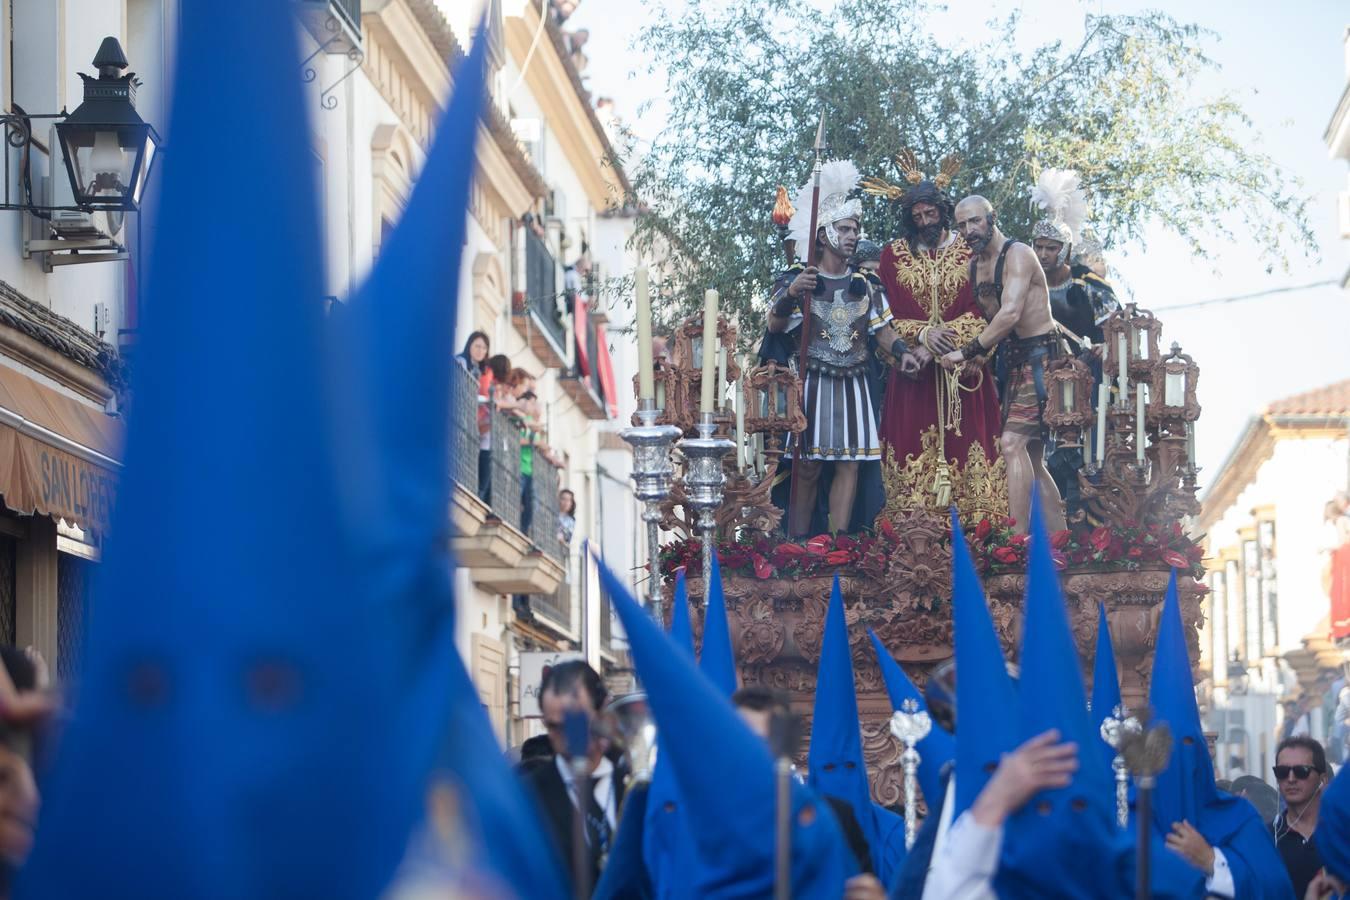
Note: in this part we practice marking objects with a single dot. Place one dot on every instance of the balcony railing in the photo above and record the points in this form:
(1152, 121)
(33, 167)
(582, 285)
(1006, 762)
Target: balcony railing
(541, 289)
(502, 488)
(351, 11)
(464, 435)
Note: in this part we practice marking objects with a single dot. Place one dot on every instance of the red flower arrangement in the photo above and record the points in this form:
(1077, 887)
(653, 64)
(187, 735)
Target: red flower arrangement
(1127, 546)
(995, 549)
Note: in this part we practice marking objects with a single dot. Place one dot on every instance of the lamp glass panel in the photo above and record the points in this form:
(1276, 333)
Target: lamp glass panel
(1174, 390)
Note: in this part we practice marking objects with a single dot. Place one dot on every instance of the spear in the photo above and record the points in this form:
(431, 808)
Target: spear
(811, 259)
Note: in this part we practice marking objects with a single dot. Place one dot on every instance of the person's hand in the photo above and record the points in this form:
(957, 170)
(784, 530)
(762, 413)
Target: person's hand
(1039, 764)
(922, 355)
(803, 284)
(943, 340)
(909, 365)
(864, 887)
(1185, 840)
(18, 807)
(1325, 885)
(951, 361)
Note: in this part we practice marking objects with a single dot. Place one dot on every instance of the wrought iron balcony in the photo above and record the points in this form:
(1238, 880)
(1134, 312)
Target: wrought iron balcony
(539, 312)
(351, 11)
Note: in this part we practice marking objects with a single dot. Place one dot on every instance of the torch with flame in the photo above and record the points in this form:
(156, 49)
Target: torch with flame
(782, 215)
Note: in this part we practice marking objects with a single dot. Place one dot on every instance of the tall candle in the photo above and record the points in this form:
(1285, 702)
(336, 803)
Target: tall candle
(741, 449)
(709, 356)
(1190, 444)
(1140, 438)
(1103, 399)
(646, 383)
(1123, 378)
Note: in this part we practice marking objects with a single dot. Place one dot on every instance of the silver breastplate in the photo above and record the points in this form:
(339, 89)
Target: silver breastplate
(839, 329)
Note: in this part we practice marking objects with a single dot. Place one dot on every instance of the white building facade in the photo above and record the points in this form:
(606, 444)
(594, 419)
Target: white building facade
(1266, 644)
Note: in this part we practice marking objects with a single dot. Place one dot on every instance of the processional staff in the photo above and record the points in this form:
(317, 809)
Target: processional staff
(812, 257)
(910, 724)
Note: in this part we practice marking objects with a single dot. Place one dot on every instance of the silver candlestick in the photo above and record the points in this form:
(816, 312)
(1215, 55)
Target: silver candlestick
(1115, 727)
(910, 725)
(653, 470)
(705, 482)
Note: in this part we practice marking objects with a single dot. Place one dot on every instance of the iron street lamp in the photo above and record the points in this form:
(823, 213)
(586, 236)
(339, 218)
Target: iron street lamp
(108, 147)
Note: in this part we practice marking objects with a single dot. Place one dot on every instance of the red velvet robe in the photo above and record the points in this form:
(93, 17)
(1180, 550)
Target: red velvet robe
(925, 288)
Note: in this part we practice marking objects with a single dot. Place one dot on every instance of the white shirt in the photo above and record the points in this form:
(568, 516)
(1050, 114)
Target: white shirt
(964, 865)
(604, 787)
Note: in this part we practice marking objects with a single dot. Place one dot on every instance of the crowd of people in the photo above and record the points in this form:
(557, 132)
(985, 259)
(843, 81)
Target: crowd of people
(511, 391)
(1026, 810)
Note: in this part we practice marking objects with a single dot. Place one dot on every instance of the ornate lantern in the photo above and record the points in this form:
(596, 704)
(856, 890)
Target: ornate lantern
(109, 149)
(1172, 392)
(1068, 403)
(1145, 331)
(773, 407)
(687, 357)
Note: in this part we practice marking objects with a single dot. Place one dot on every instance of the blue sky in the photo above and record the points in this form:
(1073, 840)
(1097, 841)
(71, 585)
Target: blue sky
(1289, 70)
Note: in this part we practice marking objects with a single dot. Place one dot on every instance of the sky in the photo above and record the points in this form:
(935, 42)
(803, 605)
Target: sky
(1288, 70)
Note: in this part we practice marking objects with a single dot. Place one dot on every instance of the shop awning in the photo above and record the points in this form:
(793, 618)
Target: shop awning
(58, 456)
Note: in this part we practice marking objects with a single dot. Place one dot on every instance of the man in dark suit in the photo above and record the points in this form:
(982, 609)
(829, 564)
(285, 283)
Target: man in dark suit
(566, 688)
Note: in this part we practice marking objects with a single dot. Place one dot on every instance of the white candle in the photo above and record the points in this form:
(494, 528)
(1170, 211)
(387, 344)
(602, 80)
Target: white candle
(1123, 378)
(646, 385)
(1103, 399)
(740, 425)
(1174, 389)
(1139, 436)
(1190, 444)
(1066, 395)
(709, 356)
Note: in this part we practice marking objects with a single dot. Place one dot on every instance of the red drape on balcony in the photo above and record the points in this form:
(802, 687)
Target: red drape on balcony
(580, 319)
(1340, 592)
(605, 364)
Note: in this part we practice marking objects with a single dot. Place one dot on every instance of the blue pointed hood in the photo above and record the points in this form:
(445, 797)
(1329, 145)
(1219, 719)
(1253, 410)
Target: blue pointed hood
(716, 658)
(681, 629)
(233, 797)
(1333, 826)
(667, 849)
(1187, 784)
(725, 775)
(1186, 789)
(835, 761)
(625, 876)
(1105, 682)
(1057, 840)
(985, 695)
(216, 718)
(939, 747)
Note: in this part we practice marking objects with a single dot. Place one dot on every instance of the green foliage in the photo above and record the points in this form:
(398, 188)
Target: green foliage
(747, 82)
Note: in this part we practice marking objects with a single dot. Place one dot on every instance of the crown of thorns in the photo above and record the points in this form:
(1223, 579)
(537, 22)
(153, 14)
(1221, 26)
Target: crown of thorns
(909, 167)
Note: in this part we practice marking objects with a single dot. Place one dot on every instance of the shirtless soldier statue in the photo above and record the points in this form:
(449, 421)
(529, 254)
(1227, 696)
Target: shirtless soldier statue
(1010, 288)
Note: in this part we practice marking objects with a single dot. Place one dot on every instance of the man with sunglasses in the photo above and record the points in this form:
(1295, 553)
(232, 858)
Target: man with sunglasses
(1301, 775)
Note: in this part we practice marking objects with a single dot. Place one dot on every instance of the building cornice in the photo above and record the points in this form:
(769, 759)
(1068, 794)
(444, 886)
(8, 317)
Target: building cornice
(556, 87)
(1257, 445)
(56, 347)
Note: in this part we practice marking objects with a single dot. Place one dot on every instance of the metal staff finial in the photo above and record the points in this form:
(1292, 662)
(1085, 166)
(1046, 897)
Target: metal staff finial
(1116, 729)
(910, 724)
(1146, 752)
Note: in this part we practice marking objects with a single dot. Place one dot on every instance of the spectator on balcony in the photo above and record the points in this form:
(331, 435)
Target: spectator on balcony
(473, 358)
(491, 389)
(567, 517)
